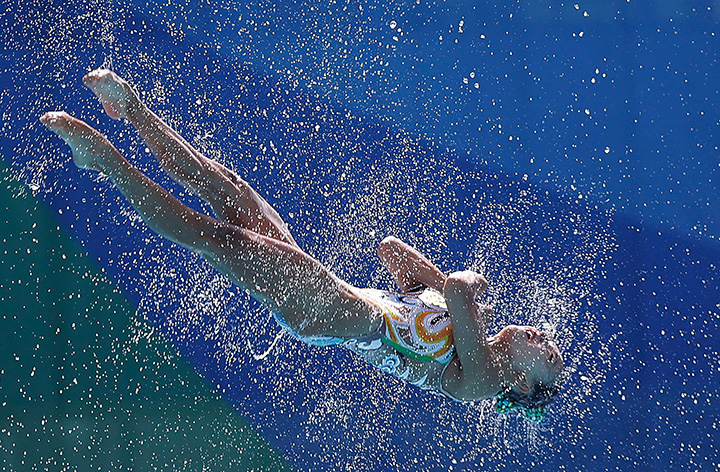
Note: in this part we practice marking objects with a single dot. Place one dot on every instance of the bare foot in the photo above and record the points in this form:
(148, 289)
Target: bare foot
(90, 148)
(115, 94)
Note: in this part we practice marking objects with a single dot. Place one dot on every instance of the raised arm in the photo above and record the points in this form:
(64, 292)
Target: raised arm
(476, 372)
(408, 266)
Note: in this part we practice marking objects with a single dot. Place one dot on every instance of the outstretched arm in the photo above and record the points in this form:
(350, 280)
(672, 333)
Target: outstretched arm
(408, 266)
(476, 372)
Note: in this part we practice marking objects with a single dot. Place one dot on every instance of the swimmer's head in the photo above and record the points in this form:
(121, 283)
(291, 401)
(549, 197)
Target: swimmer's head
(533, 366)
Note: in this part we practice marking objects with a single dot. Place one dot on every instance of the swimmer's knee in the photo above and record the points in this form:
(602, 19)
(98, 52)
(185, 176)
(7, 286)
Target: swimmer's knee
(221, 235)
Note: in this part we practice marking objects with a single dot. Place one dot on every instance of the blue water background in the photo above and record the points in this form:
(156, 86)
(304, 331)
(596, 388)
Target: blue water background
(635, 151)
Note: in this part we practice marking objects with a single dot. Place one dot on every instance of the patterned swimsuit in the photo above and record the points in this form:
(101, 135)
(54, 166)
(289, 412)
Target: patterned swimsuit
(414, 341)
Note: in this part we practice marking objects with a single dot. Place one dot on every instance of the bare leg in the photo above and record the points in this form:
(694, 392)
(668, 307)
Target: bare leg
(290, 282)
(231, 198)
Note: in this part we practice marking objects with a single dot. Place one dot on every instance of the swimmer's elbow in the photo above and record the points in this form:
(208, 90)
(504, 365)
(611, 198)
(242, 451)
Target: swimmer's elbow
(388, 255)
(388, 247)
(390, 240)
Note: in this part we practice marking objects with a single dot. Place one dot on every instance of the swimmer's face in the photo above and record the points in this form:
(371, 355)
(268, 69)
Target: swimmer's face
(531, 350)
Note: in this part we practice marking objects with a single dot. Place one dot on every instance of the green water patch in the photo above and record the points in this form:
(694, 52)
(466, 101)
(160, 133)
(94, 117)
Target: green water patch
(86, 385)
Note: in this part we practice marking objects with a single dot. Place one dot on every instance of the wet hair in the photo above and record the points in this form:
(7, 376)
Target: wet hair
(533, 405)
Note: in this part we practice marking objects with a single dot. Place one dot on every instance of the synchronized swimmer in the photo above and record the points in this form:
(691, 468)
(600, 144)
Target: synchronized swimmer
(432, 333)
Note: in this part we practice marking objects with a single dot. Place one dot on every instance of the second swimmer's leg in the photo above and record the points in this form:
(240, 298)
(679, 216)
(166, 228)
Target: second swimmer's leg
(231, 198)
